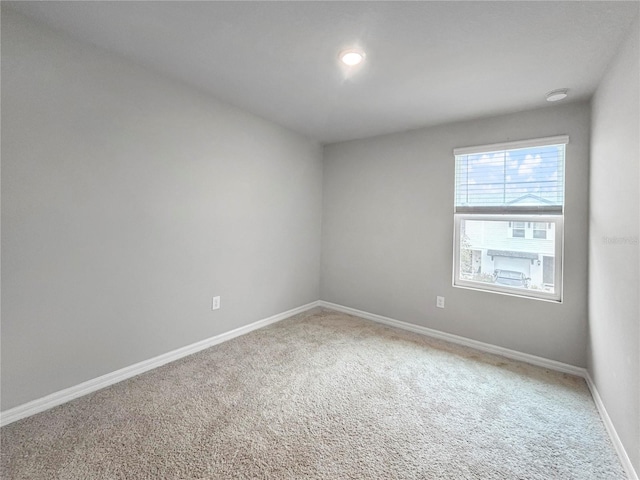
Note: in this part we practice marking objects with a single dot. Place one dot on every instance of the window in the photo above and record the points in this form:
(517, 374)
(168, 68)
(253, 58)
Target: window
(517, 230)
(509, 217)
(540, 230)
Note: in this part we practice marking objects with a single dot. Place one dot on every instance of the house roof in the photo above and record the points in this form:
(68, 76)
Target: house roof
(530, 199)
(512, 254)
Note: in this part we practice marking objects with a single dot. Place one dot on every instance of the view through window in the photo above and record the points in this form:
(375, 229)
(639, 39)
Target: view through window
(509, 217)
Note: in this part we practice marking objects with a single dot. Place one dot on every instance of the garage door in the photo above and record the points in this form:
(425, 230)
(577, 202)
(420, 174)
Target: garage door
(516, 264)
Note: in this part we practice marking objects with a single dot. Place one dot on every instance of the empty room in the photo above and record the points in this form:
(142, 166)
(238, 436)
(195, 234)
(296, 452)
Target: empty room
(332, 240)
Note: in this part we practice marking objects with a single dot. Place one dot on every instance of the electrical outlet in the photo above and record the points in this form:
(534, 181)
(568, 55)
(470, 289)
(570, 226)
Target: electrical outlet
(215, 305)
(440, 302)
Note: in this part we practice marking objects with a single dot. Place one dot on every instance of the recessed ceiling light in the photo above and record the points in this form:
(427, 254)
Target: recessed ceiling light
(351, 57)
(556, 95)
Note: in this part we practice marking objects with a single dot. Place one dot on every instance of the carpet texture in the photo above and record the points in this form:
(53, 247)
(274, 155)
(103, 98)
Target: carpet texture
(323, 395)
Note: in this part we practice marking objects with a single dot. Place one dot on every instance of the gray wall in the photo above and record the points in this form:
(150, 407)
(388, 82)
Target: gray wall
(128, 201)
(614, 260)
(388, 234)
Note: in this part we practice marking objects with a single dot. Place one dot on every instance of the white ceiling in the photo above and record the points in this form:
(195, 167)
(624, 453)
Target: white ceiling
(427, 62)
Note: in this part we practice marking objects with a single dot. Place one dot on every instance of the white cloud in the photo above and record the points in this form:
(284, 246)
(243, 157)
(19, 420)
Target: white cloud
(495, 160)
(529, 164)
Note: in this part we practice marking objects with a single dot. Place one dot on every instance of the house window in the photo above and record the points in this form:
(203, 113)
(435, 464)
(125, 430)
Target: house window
(509, 217)
(517, 230)
(540, 230)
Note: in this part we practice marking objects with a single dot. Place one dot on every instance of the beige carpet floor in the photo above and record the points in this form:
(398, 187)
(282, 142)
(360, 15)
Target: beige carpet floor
(323, 395)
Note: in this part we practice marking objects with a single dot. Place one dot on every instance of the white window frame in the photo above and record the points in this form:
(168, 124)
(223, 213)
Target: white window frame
(544, 229)
(514, 227)
(558, 220)
(554, 214)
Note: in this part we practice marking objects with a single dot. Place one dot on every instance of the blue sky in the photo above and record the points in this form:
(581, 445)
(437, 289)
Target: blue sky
(498, 178)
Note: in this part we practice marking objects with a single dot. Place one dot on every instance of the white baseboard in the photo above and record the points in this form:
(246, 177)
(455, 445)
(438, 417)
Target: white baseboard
(68, 394)
(611, 430)
(63, 396)
(512, 354)
(467, 342)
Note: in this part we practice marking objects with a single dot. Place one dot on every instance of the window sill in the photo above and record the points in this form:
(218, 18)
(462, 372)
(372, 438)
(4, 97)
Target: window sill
(511, 292)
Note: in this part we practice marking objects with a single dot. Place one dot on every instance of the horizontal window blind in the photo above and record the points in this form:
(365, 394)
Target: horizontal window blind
(525, 177)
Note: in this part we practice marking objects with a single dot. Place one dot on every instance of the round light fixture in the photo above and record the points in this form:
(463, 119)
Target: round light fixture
(555, 95)
(351, 57)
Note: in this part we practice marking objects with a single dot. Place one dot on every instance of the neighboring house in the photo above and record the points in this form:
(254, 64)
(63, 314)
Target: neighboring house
(525, 247)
